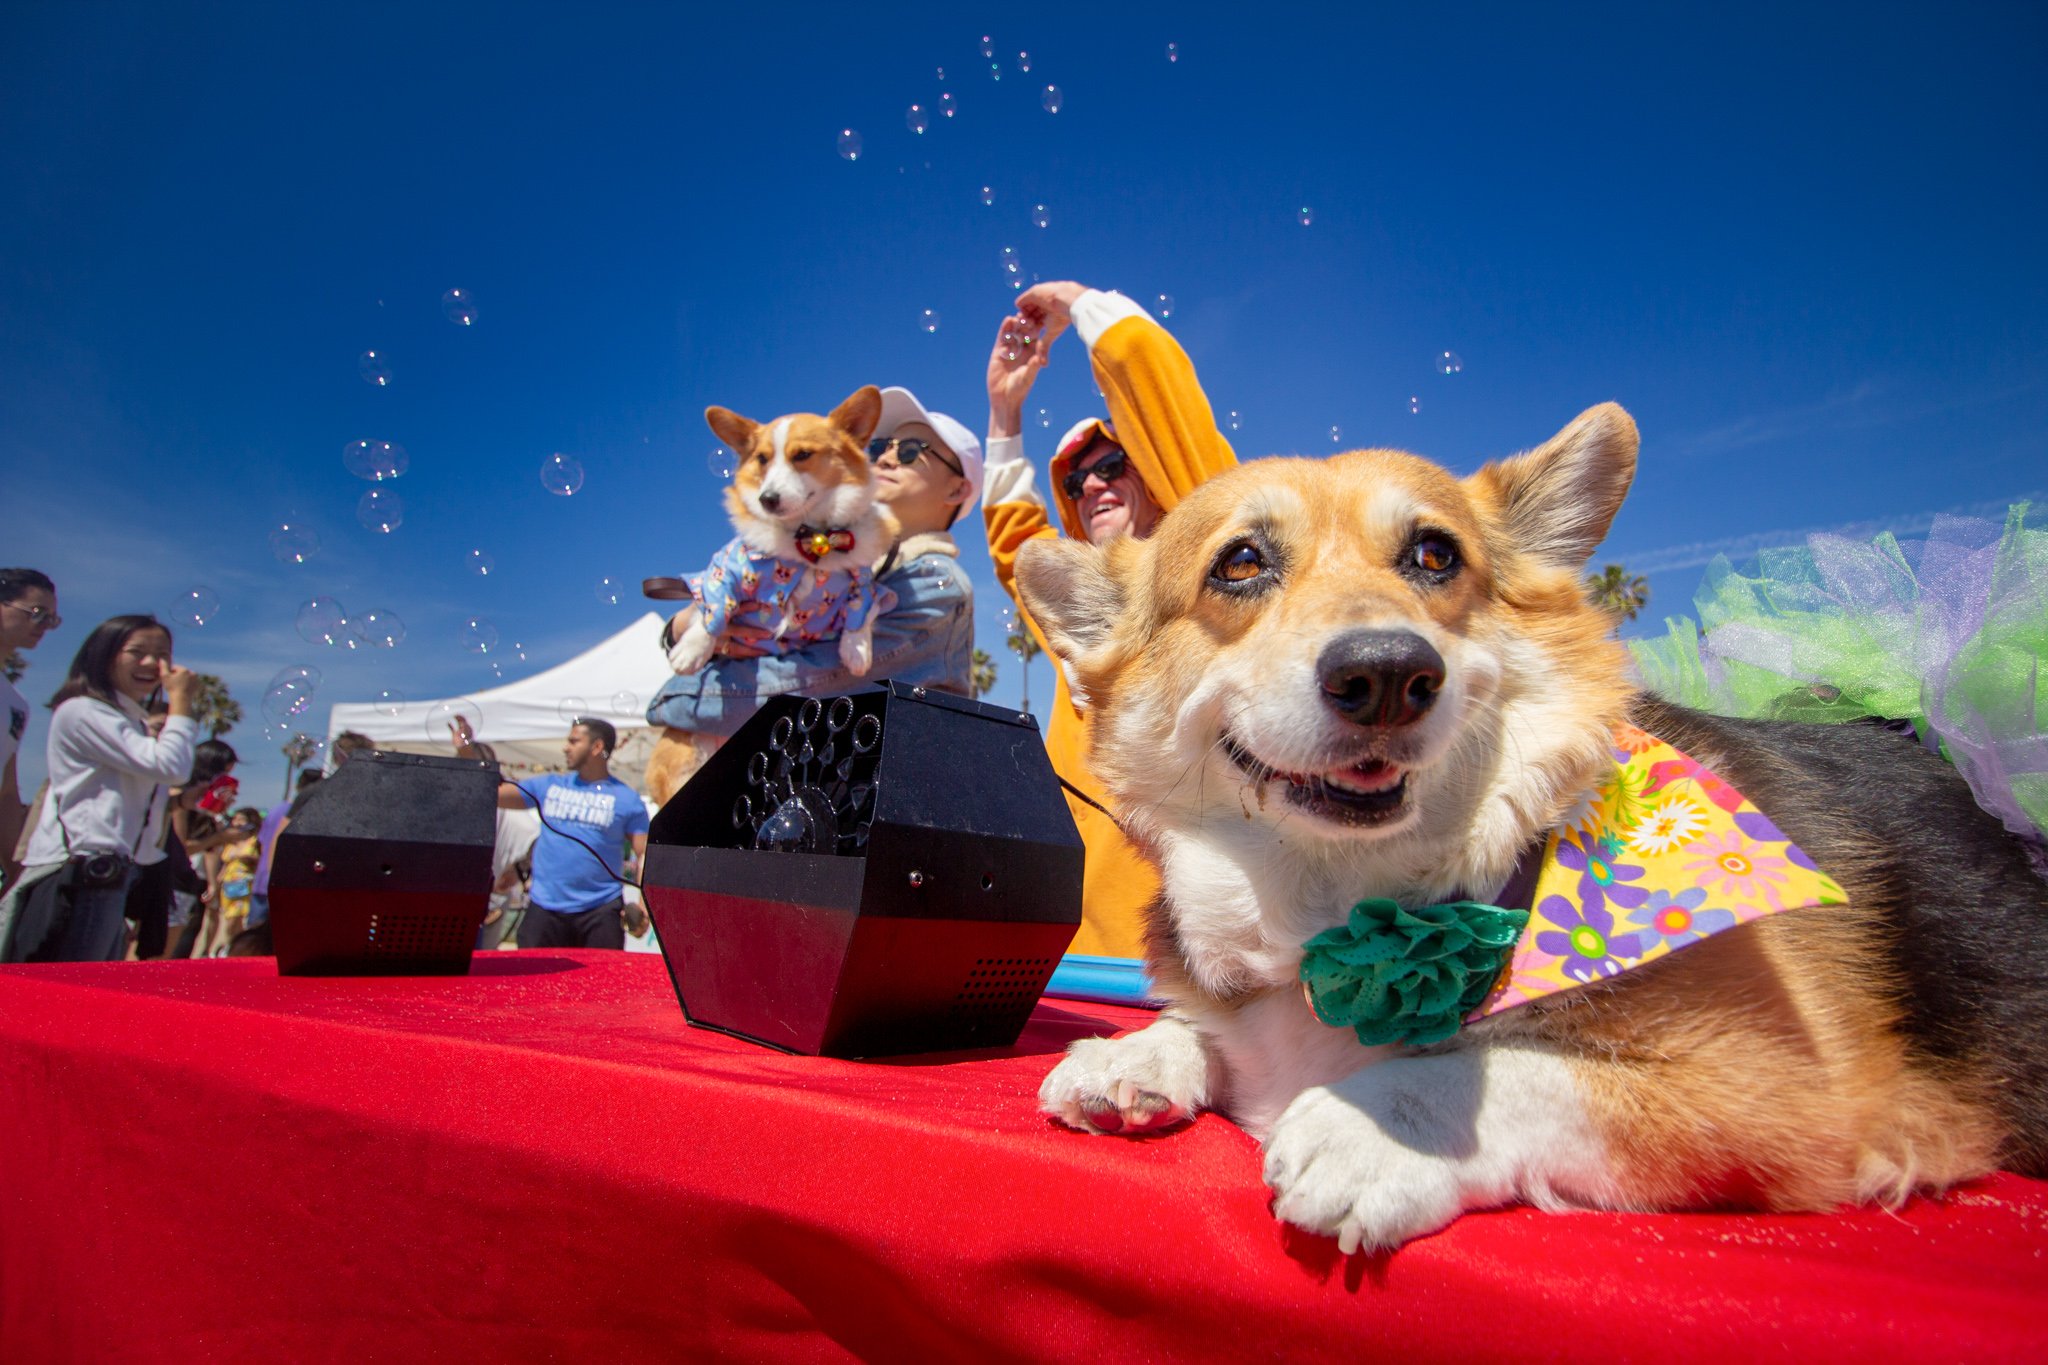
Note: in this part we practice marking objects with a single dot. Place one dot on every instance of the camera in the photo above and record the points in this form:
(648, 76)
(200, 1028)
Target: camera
(98, 871)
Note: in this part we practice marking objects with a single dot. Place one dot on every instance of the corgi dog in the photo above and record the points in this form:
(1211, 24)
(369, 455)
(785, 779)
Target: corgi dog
(802, 500)
(1322, 681)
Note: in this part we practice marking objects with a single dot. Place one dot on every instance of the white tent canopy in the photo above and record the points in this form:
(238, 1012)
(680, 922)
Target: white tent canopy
(526, 721)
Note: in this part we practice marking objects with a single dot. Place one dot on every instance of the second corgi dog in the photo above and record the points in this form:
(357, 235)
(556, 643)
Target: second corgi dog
(1356, 705)
(800, 569)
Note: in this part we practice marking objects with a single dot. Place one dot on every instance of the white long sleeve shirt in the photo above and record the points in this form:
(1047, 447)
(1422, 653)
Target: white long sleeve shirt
(109, 782)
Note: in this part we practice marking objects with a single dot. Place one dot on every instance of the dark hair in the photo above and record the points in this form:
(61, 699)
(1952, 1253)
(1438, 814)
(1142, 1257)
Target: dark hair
(241, 811)
(15, 582)
(307, 777)
(600, 729)
(211, 758)
(92, 668)
(349, 743)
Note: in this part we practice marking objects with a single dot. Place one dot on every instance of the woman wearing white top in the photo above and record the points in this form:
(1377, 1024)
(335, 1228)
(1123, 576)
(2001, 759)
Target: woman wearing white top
(109, 784)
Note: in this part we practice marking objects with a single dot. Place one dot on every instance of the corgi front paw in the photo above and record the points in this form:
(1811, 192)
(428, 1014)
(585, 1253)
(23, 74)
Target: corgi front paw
(1334, 1171)
(693, 650)
(1134, 1085)
(857, 650)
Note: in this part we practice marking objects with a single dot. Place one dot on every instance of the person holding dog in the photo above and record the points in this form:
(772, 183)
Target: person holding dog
(1108, 478)
(928, 472)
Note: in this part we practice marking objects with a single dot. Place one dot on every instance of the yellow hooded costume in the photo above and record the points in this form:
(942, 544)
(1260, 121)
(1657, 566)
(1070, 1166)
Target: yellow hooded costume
(1163, 422)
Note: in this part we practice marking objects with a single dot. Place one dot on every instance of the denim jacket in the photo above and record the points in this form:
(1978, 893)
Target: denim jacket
(926, 638)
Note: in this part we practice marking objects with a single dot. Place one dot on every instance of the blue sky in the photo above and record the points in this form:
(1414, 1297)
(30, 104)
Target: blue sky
(1802, 247)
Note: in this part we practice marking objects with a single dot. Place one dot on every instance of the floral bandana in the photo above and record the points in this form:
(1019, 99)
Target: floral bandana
(1660, 855)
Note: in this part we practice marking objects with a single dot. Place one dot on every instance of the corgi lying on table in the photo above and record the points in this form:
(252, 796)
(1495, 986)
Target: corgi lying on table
(800, 569)
(1453, 917)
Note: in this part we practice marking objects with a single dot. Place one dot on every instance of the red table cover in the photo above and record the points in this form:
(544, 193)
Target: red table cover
(543, 1161)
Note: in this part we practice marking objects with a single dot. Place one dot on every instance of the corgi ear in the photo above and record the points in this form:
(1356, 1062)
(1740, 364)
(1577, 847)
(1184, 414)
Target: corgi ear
(858, 414)
(1558, 500)
(1071, 591)
(736, 431)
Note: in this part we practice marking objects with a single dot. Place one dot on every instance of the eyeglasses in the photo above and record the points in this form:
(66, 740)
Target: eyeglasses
(42, 616)
(908, 449)
(1109, 469)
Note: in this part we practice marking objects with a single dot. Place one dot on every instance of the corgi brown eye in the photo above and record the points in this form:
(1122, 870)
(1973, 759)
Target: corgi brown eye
(1434, 554)
(1241, 563)
(799, 456)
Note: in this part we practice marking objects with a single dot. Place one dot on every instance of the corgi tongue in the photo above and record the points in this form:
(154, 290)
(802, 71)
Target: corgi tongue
(1371, 776)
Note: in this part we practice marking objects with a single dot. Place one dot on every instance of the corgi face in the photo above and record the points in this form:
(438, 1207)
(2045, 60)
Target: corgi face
(1361, 653)
(801, 469)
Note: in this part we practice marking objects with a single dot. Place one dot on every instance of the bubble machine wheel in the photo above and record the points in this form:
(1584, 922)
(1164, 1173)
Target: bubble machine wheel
(885, 872)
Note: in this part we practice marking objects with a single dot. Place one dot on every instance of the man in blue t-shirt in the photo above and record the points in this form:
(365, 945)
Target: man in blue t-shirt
(575, 895)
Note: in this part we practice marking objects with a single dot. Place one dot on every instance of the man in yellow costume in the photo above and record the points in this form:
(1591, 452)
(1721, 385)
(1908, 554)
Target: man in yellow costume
(1107, 478)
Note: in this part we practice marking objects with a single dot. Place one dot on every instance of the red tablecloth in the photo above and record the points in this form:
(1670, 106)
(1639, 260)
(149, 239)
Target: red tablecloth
(542, 1160)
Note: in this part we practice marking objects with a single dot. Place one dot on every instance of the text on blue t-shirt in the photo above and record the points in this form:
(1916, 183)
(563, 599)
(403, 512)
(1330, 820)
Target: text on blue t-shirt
(602, 814)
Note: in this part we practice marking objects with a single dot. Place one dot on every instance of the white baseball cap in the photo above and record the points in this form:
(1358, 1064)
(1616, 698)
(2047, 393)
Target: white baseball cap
(900, 406)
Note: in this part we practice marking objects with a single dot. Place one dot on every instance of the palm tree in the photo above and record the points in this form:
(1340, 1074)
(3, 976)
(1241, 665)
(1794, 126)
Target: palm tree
(213, 707)
(981, 674)
(1618, 592)
(298, 750)
(1025, 646)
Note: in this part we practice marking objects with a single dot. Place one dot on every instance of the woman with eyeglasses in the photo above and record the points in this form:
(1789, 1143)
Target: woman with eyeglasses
(928, 473)
(28, 611)
(110, 782)
(1107, 479)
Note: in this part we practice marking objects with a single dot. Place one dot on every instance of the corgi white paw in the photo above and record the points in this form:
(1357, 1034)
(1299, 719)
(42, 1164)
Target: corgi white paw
(1334, 1171)
(693, 650)
(1137, 1084)
(857, 650)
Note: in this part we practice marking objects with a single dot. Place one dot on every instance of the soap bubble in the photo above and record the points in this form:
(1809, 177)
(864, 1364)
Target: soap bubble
(518, 651)
(1306, 214)
(1449, 362)
(988, 195)
(479, 563)
(195, 606)
(561, 474)
(305, 675)
(849, 144)
(442, 715)
(1012, 266)
(460, 306)
(381, 627)
(610, 591)
(1336, 435)
(322, 621)
(286, 702)
(917, 120)
(946, 105)
(293, 543)
(389, 700)
(1051, 99)
(570, 708)
(1039, 217)
(788, 830)
(995, 71)
(1173, 52)
(477, 635)
(1044, 418)
(380, 510)
(1233, 418)
(372, 367)
(1024, 62)
(721, 463)
(625, 703)
(1414, 405)
(988, 47)
(1165, 302)
(942, 75)
(929, 319)
(375, 461)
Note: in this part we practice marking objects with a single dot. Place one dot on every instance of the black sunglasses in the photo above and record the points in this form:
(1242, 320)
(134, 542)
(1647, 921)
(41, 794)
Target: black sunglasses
(1109, 469)
(908, 449)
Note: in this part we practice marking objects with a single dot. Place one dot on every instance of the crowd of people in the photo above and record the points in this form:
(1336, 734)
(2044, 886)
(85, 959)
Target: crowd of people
(137, 850)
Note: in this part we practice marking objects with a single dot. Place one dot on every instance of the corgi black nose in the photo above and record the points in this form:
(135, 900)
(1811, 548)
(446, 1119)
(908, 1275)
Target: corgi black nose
(1380, 677)
(770, 500)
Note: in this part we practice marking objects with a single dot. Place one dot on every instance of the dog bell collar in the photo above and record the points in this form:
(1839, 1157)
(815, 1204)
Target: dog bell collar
(1661, 854)
(814, 543)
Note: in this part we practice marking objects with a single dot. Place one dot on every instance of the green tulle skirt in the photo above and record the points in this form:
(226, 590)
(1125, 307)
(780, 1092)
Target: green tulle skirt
(1948, 632)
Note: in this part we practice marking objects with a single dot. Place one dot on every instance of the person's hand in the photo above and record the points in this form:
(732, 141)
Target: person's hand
(181, 689)
(1044, 305)
(1023, 348)
(462, 737)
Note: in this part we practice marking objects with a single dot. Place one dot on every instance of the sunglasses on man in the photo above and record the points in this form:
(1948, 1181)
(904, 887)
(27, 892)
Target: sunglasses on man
(41, 616)
(908, 450)
(1109, 469)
